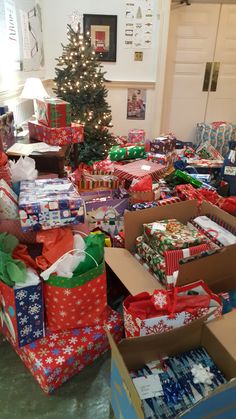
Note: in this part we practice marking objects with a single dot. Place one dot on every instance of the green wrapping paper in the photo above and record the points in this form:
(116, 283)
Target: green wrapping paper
(170, 235)
(153, 259)
(124, 153)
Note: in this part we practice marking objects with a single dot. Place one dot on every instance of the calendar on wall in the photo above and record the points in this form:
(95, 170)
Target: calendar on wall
(21, 33)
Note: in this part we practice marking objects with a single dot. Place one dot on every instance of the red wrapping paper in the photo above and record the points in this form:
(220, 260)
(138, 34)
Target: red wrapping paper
(56, 136)
(139, 169)
(53, 360)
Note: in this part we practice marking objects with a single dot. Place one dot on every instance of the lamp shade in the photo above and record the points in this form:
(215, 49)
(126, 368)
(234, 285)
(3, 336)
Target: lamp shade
(33, 89)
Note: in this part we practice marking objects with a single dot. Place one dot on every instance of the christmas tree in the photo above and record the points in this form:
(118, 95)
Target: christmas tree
(80, 81)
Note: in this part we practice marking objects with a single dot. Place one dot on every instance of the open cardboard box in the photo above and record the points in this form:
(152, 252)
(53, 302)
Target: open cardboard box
(217, 337)
(216, 270)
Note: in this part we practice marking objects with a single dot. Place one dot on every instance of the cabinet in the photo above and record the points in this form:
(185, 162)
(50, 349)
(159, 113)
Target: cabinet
(200, 83)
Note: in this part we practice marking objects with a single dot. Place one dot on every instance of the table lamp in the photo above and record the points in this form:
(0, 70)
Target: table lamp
(34, 89)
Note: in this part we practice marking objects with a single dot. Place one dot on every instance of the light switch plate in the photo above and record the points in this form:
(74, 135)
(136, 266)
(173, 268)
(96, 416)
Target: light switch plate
(138, 56)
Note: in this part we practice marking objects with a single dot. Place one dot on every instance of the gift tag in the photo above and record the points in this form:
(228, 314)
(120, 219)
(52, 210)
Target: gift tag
(148, 387)
(145, 167)
(229, 170)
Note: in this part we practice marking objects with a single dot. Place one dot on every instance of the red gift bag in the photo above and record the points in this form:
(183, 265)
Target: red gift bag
(76, 302)
(146, 314)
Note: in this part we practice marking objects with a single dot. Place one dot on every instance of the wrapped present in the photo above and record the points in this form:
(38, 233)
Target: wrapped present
(49, 203)
(54, 359)
(21, 313)
(110, 205)
(146, 314)
(187, 191)
(139, 169)
(143, 190)
(214, 230)
(127, 153)
(218, 134)
(119, 240)
(172, 387)
(136, 136)
(164, 159)
(53, 112)
(7, 137)
(56, 136)
(163, 144)
(170, 235)
(153, 259)
(161, 202)
(8, 202)
(106, 217)
(5, 172)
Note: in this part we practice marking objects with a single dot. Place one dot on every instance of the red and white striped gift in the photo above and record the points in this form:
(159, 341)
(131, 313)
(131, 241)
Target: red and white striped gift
(168, 201)
(172, 258)
(138, 169)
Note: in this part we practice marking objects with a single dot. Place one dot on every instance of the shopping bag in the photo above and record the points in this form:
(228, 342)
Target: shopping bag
(21, 313)
(164, 310)
(75, 302)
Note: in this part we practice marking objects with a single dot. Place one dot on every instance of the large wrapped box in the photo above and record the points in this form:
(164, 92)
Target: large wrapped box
(218, 134)
(56, 136)
(8, 202)
(54, 359)
(49, 203)
(21, 313)
(218, 340)
(138, 169)
(53, 112)
(130, 152)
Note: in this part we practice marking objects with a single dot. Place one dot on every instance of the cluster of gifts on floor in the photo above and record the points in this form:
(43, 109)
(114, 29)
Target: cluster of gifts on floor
(53, 289)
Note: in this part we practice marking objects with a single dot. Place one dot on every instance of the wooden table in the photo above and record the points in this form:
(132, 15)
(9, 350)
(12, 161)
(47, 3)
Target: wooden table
(49, 162)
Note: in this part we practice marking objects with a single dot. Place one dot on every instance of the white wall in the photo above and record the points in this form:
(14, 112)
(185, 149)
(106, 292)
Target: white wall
(56, 15)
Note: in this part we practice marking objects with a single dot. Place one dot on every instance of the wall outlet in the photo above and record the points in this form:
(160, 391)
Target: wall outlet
(138, 56)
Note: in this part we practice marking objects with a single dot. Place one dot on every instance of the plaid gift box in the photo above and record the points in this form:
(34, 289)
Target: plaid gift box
(53, 112)
(56, 136)
(139, 169)
(54, 359)
(48, 203)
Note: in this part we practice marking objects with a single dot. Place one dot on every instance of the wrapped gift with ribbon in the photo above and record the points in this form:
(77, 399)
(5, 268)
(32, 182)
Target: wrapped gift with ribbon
(136, 136)
(146, 314)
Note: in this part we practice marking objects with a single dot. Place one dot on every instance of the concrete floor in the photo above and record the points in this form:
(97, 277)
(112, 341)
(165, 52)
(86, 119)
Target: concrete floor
(84, 396)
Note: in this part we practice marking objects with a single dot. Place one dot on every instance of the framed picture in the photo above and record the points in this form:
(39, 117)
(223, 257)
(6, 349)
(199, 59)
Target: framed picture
(136, 104)
(101, 30)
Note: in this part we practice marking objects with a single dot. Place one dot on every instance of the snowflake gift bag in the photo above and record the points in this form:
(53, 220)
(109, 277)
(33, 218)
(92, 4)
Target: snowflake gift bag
(21, 313)
(164, 310)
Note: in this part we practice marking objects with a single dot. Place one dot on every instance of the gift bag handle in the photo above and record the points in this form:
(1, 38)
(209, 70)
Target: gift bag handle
(78, 251)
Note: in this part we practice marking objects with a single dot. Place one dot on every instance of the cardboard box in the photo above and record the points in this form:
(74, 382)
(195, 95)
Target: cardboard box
(217, 337)
(216, 270)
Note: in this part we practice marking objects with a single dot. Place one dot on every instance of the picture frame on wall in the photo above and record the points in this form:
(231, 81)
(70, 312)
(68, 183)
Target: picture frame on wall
(101, 30)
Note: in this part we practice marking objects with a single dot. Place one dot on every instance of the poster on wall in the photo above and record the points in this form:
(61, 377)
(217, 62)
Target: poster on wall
(138, 24)
(136, 104)
(21, 44)
(10, 44)
(30, 18)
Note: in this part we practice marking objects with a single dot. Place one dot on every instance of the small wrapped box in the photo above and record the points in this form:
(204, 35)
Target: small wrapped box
(136, 136)
(162, 145)
(49, 203)
(54, 359)
(53, 112)
(8, 202)
(56, 136)
(165, 159)
(139, 169)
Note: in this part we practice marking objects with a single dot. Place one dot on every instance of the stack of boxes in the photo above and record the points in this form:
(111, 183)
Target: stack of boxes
(53, 124)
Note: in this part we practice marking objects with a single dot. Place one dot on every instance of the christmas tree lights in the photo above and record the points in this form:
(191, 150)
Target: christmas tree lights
(80, 81)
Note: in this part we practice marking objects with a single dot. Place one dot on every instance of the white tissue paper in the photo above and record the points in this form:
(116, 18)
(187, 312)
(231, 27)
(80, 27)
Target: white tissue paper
(23, 169)
(66, 265)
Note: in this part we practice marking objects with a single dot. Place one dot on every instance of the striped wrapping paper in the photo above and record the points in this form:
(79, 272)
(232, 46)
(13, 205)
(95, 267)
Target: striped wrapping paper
(138, 169)
(173, 258)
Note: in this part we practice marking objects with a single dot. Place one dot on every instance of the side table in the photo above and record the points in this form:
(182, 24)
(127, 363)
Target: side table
(49, 162)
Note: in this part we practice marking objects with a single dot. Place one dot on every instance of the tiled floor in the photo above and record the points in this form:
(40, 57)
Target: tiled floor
(85, 396)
